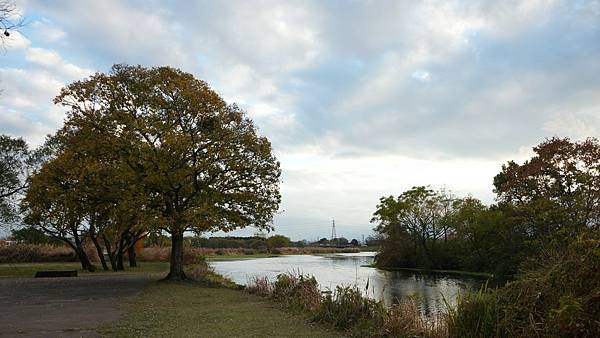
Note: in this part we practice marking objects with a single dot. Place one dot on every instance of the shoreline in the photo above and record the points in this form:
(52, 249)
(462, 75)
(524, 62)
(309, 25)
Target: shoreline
(482, 275)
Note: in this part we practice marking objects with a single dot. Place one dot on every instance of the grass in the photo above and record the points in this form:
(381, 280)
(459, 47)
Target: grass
(29, 269)
(190, 309)
(476, 315)
(167, 309)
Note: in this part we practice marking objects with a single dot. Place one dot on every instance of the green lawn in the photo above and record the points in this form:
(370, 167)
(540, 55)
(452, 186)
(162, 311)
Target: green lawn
(29, 269)
(167, 309)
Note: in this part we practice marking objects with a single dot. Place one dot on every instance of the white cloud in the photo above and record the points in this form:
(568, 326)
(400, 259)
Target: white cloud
(48, 32)
(18, 125)
(53, 62)
(360, 99)
(42, 56)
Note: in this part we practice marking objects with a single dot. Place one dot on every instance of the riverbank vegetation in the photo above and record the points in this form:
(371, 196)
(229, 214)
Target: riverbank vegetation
(346, 308)
(543, 234)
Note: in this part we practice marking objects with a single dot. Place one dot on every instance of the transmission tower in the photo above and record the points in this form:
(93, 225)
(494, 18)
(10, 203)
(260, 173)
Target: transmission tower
(333, 234)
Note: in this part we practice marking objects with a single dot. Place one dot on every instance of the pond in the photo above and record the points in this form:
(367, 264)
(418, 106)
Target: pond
(331, 270)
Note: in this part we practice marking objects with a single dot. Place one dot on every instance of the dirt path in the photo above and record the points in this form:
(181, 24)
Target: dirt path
(63, 307)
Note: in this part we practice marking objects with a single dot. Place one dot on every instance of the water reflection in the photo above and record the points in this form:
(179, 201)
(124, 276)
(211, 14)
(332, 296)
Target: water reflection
(429, 290)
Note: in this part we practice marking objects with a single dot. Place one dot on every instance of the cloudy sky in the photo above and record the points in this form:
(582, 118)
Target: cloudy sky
(360, 98)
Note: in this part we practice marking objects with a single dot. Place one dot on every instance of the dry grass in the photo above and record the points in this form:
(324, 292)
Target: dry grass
(32, 253)
(347, 309)
(163, 254)
(406, 318)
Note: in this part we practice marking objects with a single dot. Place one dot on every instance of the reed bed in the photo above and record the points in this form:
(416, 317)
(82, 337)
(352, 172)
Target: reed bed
(36, 253)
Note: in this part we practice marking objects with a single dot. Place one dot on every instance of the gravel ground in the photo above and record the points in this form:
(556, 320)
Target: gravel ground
(63, 307)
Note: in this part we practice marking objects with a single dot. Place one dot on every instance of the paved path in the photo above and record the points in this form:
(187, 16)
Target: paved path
(63, 307)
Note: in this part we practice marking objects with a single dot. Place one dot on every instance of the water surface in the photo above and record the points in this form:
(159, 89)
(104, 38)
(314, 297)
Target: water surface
(331, 270)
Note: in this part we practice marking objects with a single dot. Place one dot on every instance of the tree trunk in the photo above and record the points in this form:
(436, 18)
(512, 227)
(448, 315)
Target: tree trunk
(120, 264)
(83, 258)
(176, 267)
(111, 256)
(120, 252)
(131, 255)
(100, 253)
(85, 261)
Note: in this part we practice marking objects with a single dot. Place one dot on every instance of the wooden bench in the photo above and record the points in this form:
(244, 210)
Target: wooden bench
(56, 273)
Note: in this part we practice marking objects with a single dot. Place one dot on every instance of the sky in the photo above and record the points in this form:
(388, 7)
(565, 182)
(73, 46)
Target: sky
(360, 99)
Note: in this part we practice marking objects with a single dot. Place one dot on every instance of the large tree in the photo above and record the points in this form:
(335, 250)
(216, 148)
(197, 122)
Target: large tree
(199, 161)
(558, 190)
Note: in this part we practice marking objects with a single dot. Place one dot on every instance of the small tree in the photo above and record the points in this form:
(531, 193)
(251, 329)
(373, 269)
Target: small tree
(53, 205)
(199, 161)
(14, 157)
(418, 217)
(278, 241)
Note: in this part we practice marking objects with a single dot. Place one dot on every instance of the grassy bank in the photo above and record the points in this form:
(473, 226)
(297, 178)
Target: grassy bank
(347, 309)
(210, 307)
(168, 309)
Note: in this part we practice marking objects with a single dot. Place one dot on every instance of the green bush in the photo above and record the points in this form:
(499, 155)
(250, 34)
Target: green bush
(476, 314)
(346, 307)
(558, 293)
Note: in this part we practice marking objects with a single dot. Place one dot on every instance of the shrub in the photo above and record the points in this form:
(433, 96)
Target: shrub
(476, 315)
(347, 307)
(558, 294)
(260, 286)
(297, 290)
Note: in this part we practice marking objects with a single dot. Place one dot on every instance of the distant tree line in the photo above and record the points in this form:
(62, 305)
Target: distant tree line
(542, 204)
(252, 242)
